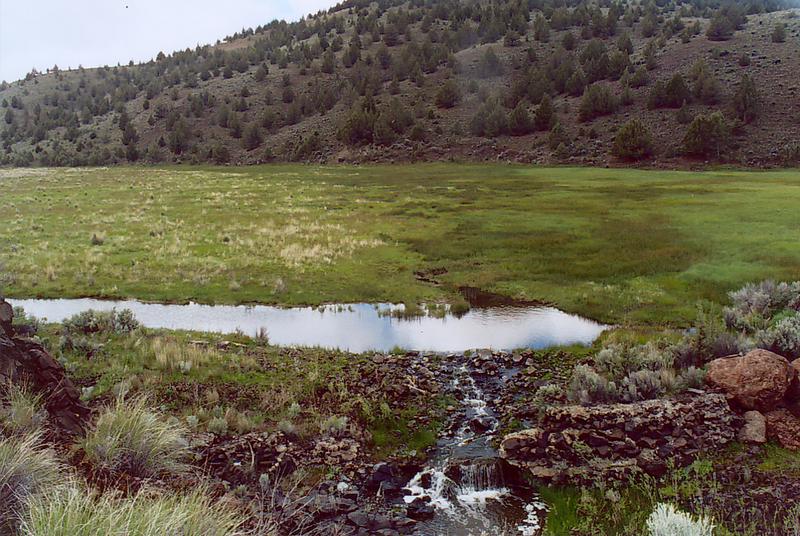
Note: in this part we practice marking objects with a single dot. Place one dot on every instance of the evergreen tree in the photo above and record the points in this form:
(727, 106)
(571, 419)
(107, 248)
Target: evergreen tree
(746, 100)
(544, 114)
(632, 141)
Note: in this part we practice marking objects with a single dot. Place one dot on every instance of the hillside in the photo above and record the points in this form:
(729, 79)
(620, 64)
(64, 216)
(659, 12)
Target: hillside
(441, 80)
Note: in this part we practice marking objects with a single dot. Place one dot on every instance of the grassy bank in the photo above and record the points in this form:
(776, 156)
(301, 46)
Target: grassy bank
(616, 245)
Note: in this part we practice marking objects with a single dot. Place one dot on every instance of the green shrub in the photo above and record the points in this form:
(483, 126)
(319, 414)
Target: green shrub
(588, 387)
(490, 120)
(672, 94)
(448, 95)
(707, 135)
(26, 468)
(597, 100)
(519, 121)
(779, 33)
(545, 117)
(130, 438)
(92, 321)
(633, 141)
(746, 100)
(783, 338)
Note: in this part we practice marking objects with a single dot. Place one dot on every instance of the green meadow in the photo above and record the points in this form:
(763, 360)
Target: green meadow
(618, 245)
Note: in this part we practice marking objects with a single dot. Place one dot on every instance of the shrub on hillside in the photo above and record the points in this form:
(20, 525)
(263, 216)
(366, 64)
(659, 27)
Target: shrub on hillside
(490, 120)
(448, 95)
(672, 94)
(519, 121)
(746, 100)
(633, 141)
(779, 33)
(707, 135)
(597, 100)
(26, 468)
(130, 438)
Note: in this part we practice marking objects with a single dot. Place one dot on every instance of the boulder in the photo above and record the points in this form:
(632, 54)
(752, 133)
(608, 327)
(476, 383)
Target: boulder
(579, 444)
(754, 429)
(758, 380)
(420, 508)
(784, 427)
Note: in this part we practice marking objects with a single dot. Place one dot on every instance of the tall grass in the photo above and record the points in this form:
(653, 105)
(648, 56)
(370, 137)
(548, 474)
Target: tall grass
(70, 510)
(26, 468)
(21, 411)
(130, 438)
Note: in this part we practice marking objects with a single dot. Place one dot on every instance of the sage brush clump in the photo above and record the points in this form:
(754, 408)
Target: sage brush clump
(667, 521)
(92, 321)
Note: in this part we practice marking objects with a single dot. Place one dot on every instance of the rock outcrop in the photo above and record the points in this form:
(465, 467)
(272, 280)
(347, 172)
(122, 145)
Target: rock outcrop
(575, 444)
(26, 362)
(758, 380)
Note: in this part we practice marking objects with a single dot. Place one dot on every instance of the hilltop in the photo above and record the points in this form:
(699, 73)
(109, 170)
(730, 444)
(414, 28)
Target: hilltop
(672, 85)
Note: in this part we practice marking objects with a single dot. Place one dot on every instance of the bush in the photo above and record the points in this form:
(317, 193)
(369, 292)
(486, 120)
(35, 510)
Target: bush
(708, 135)
(597, 100)
(26, 468)
(545, 118)
(92, 321)
(519, 121)
(129, 438)
(448, 95)
(642, 385)
(667, 521)
(633, 141)
(489, 64)
(719, 29)
(779, 33)
(588, 387)
(783, 338)
(745, 100)
(766, 298)
(70, 510)
(672, 94)
(490, 120)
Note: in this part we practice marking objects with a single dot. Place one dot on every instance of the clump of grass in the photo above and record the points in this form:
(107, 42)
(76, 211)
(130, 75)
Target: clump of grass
(71, 510)
(21, 411)
(130, 438)
(26, 468)
(172, 355)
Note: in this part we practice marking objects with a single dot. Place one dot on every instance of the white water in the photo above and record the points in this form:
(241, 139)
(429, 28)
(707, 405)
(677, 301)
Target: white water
(475, 503)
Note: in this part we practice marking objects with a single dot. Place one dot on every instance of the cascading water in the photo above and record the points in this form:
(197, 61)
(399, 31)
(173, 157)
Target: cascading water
(463, 480)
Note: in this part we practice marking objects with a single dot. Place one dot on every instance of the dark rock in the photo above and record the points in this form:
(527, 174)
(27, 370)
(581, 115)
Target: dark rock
(420, 509)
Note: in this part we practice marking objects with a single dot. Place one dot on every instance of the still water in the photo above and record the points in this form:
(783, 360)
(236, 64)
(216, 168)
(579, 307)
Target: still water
(356, 327)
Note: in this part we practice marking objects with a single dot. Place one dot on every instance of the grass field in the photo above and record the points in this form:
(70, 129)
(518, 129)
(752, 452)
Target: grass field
(626, 246)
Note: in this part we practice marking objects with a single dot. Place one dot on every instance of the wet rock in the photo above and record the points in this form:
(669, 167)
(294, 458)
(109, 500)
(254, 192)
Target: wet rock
(420, 508)
(784, 427)
(758, 380)
(754, 429)
(480, 424)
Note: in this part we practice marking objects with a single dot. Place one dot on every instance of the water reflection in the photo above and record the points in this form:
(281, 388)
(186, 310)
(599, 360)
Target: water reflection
(354, 327)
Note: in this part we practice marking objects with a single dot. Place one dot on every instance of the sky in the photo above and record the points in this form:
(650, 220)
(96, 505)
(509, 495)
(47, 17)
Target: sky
(68, 33)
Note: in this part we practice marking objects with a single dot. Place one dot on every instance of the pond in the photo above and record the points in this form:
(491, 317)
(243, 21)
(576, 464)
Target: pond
(356, 327)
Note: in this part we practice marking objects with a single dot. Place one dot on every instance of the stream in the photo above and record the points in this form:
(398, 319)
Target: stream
(464, 480)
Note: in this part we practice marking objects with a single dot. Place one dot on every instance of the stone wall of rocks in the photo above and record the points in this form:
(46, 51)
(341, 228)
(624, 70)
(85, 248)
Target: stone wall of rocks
(576, 444)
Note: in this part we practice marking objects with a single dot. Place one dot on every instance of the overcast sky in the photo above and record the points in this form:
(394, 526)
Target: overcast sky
(43, 33)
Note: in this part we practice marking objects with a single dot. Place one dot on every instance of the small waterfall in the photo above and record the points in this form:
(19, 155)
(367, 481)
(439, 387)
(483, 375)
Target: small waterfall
(464, 482)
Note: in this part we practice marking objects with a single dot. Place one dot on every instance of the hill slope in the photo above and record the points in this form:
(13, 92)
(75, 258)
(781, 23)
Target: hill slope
(527, 81)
